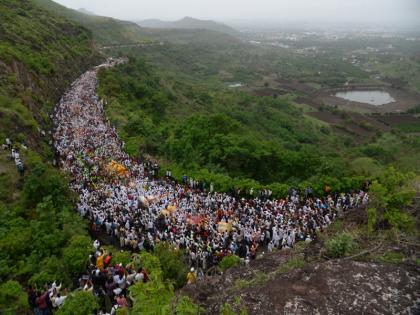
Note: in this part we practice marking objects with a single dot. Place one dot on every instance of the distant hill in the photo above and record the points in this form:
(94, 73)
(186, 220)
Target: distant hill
(190, 23)
(105, 30)
(83, 10)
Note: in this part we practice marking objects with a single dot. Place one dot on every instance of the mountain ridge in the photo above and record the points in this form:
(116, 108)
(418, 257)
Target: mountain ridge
(105, 30)
(189, 23)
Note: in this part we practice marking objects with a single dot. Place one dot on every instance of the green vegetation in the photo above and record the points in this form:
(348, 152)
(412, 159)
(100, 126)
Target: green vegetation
(13, 300)
(227, 309)
(172, 102)
(229, 262)
(392, 257)
(41, 237)
(106, 31)
(220, 136)
(190, 23)
(341, 245)
(172, 262)
(80, 303)
(390, 194)
(157, 296)
(293, 263)
(39, 60)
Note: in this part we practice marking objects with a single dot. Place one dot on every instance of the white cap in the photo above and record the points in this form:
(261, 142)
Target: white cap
(192, 269)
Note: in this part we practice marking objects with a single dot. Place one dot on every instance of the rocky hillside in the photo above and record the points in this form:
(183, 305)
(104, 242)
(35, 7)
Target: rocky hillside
(334, 287)
(381, 276)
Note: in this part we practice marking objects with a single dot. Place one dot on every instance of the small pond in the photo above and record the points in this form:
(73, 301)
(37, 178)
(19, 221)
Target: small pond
(369, 97)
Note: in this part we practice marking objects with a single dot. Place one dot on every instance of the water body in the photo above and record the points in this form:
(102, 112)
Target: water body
(369, 97)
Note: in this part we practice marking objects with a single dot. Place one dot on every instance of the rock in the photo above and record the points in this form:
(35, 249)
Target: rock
(333, 287)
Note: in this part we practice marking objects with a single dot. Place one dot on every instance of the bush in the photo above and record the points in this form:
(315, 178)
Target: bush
(185, 306)
(172, 262)
(79, 303)
(400, 220)
(152, 265)
(76, 253)
(52, 270)
(229, 262)
(13, 300)
(53, 184)
(340, 245)
(119, 256)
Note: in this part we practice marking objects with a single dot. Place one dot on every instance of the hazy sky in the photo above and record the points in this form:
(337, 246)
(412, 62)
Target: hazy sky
(388, 11)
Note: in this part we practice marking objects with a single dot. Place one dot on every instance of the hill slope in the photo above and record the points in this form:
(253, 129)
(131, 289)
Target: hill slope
(190, 23)
(105, 30)
(40, 55)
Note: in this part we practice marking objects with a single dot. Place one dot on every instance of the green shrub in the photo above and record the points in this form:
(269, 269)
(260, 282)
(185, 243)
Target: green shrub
(401, 220)
(340, 245)
(185, 306)
(172, 262)
(52, 270)
(119, 256)
(229, 262)
(152, 265)
(79, 303)
(13, 300)
(76, 253)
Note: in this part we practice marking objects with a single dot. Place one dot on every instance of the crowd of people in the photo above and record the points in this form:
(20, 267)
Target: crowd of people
(15, 154)
(105, 278)
(125, 198)
(140, 210)
(44, 302)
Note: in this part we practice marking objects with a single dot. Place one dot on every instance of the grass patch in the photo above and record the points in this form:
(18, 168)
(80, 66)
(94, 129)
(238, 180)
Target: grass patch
(294, 263)
(392, 257)
(242, 283)
(259, 279)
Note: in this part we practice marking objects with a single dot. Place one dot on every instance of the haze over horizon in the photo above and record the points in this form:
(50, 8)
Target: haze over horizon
(374, 12)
